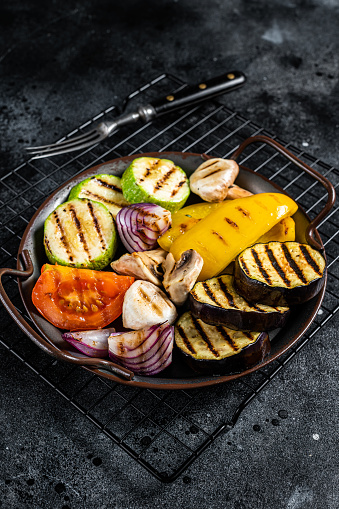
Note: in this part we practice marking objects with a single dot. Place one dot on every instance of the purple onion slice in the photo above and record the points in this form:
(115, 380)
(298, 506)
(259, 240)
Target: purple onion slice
(93, 343)
(141, 224)
(145, 352)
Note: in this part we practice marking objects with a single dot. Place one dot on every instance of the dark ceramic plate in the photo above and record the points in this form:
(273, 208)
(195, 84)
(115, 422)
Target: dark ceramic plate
(178, 375)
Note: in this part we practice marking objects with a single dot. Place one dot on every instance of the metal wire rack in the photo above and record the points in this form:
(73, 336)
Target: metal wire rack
(164, 431)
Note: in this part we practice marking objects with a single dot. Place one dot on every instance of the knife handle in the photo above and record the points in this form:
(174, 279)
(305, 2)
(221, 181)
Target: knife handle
(202, 91)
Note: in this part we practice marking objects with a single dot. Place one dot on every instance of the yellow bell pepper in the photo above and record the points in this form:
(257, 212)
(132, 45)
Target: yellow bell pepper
(232, 227)
(282, 232)
(183, 220)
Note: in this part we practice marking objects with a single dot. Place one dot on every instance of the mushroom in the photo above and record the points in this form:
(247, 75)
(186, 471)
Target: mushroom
(235, 192)
(180, 276)
(146, 305)
(212, 179)
(144, 265)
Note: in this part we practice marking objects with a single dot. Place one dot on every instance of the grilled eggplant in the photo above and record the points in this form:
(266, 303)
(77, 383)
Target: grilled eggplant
(103, 188)
(80, 233)
(216, 302)
(216, 350)
(277, 273)
(153, 180)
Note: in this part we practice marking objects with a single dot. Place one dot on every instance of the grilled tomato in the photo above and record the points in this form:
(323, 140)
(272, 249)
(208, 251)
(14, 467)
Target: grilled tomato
(79, 299)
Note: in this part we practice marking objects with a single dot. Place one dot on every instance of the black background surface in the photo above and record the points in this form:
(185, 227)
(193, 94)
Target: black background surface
(63, 62)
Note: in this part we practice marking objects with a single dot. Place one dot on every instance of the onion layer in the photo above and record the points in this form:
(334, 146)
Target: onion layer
(141, 224)
(93, 343)
(145, 352)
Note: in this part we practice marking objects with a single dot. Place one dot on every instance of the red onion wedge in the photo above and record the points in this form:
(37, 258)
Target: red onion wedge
(141, 224)
(93, 343)
(145, 352)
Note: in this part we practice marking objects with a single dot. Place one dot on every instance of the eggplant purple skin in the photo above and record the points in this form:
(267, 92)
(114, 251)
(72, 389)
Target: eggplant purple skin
(249, 356)
(256, 291)
(237, 319)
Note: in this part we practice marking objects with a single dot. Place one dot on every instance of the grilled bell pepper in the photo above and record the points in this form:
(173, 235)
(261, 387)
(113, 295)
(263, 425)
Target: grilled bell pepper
(282, 232)
(232, 227)
(183, 220)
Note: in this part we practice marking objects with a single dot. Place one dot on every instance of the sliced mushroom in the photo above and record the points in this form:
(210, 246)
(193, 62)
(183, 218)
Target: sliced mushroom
(144, 265)
(235, 192)
(212, 179)
(145, 305)
(180, 276)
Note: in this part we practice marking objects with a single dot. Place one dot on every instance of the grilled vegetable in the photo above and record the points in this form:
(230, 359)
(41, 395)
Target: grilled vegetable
(141, 224)
(212, 179)
(144, 265)
(146, 351)
(146, 305)
(93, 343)
(232, 227)
(183, 220)
(80, 233)
(282, 232)
(79, 299)
(153, 180)
(235, 192)
(276, 273)
(179, 278)
(216, 350)
(103, 188)
(216, 302)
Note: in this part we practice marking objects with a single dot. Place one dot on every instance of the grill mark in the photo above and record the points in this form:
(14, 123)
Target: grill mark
(185, 339)
(63, 236)
(96, 225)
(231, 223)
(228, 296)
(228, 338)
(219, 237)
(48, 247)
(156, 308)
(162, 181)
(209, 174)
(276, 266)
(311, 261)
(243, 211)
(210, 293)
(80, 232)
(205, 337)
(260, 267)
(109, 186)
(244, 266)
(293, 265)
(177, 189)
(97, 197)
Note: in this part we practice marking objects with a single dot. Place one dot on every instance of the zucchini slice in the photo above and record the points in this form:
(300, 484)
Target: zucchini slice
(279, 272)
(103, 188)
(216, 350)
(80, 233)
(216, 302)
(153, 180)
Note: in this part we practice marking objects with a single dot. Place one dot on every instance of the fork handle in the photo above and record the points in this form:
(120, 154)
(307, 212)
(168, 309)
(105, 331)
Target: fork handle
(202, 91)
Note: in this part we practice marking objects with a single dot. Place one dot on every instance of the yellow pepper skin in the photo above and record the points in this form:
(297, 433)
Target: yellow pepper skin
(183, 220)
(232, 227)
(282, 232)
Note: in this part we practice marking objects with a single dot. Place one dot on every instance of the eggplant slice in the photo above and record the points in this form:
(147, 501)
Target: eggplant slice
(216, 350)
(216, 302)
(277, 273)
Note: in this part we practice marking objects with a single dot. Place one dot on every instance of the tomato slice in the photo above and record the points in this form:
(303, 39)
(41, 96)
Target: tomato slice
(79, 299)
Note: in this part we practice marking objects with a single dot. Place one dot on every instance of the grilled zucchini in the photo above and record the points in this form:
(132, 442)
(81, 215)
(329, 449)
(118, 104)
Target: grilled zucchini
(279, 272)
(153, 180)
(216, 302)
(80, 233)
(103, 188)
(216, 350)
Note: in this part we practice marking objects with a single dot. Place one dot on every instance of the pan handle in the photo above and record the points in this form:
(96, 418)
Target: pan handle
(42, 343)
(311, 229)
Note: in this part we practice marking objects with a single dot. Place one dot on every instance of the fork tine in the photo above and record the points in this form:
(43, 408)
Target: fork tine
(70, 141)
(61, 149)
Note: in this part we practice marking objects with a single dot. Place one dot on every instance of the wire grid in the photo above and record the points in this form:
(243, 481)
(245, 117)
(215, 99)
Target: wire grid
(164, 431)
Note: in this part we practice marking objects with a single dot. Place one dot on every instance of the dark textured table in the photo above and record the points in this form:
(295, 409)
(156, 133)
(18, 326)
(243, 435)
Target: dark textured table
(60, 65)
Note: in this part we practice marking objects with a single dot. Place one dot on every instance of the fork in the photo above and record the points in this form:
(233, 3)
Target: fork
(188, 96)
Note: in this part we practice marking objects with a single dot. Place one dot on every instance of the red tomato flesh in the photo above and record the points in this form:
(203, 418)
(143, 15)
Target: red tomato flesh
(79, 299)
